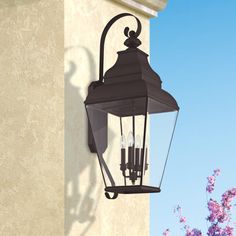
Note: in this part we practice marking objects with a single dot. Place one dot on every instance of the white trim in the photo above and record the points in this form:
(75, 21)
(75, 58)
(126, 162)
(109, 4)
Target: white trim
(148, 7)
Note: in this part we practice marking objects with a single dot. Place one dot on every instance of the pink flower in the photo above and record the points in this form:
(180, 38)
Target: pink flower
(217, 212)
(182, 219)
(214, 230)
(220, 213)
(216, 172)
(211, 181)
(178, 210)
(227, 198)
(166, 232)
(211, 184)
(227, 231)
(193, 232)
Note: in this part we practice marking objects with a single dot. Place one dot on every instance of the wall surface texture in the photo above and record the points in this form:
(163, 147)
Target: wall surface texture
(50, 184)
(31, 118)
(87, 211)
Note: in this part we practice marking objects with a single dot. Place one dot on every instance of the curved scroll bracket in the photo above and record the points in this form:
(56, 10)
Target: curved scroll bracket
(109, 197)
(127, 33)
(100, 119)
(132, 41)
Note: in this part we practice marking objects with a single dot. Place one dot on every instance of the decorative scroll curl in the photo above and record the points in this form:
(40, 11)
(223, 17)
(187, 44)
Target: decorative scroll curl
(109, 197)
(132, 40)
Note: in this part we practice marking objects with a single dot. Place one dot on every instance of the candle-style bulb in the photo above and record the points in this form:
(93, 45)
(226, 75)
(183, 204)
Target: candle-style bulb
(137, 141)
(123, 141)
(130, 139)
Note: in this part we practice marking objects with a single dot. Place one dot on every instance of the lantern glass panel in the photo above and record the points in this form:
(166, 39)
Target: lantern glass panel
(161, 127)
(126, 126)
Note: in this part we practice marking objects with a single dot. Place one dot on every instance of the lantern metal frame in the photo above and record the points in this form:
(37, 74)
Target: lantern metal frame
(122, 85)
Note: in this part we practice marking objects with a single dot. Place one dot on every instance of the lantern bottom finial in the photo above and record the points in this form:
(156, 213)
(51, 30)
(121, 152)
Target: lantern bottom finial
(109, 197)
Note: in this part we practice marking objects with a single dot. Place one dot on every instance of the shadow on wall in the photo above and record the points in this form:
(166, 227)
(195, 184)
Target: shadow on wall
(80, 204)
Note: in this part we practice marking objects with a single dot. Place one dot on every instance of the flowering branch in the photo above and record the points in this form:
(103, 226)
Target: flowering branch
(219, 213)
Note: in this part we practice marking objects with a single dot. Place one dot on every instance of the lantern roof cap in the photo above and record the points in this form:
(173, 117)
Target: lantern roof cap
(130, 77)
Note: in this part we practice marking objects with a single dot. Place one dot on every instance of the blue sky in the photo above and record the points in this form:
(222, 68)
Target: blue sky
(193, 49)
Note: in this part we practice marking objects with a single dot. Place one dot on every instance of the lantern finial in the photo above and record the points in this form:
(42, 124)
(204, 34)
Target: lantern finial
(132, 41)
(104, 33)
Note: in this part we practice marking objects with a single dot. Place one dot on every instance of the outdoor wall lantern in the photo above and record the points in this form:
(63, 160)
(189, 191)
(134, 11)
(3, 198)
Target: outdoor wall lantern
(129, 98)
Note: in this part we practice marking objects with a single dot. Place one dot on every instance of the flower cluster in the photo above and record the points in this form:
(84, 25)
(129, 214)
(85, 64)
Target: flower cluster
(216, 230)
(182, 220)
(193, 232)
(227, 198)
(211, 181)
(219, 213)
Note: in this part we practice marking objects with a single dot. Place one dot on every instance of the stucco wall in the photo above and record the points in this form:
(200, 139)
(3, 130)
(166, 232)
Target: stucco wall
(31, 118)
(50, 184)
(87, 211)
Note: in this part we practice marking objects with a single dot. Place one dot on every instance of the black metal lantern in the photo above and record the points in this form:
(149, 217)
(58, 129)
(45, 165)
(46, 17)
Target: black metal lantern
(128, 111)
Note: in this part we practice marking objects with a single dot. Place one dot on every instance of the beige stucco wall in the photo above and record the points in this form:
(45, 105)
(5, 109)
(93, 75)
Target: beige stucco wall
(50, 183)
(31, 118)
(87, 211)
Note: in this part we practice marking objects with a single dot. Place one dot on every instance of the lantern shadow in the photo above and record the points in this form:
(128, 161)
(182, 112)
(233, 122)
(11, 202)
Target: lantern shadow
(80, 199)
